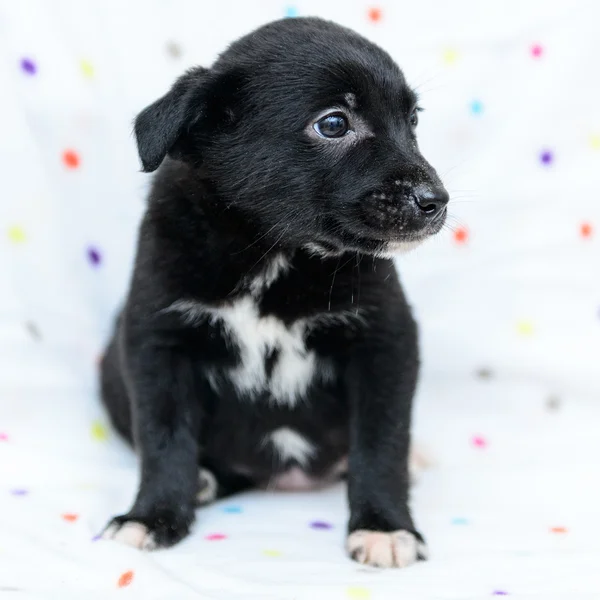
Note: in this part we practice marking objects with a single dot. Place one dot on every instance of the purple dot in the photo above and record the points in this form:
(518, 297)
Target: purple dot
(97, 537)
(28, 66)
(19, 492)
(94, 256)
(546, 157)
(500, 593)
(321, 525)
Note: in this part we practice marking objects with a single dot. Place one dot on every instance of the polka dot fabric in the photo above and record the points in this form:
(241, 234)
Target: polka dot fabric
(507, 297)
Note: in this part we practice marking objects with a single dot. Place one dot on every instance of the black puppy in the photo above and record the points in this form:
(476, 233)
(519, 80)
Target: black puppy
(266, 339)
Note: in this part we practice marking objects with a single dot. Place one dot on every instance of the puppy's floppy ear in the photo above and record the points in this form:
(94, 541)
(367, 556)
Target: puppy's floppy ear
(159, 126)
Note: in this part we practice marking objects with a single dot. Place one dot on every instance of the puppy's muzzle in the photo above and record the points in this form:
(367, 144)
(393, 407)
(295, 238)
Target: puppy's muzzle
(402, 209)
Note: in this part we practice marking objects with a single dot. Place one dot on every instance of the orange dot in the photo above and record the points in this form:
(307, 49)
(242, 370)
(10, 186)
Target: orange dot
(71, 159)
(460, 235)
(125, 579)
(558, 529)
(70, 517)
(586, 230)
(375, 14)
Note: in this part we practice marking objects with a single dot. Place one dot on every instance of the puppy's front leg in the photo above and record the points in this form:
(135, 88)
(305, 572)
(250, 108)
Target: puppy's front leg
(382, 378)
(165, 413)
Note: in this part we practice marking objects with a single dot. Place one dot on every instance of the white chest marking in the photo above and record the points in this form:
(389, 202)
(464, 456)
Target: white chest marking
(290, 445)
(257, 337)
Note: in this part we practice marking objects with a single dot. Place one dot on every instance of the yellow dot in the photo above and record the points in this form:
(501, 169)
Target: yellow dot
(272, 553)
(525, 327)
(99, 431)
(16, 234)
(358, 593)
(595, 141)
(450, 56)
(87, 69)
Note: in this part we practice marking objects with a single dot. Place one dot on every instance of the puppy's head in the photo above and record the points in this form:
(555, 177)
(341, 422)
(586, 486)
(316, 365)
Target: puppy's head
(309, 130)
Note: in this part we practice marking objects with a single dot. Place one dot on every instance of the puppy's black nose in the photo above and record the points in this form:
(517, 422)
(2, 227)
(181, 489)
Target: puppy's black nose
(431, 200)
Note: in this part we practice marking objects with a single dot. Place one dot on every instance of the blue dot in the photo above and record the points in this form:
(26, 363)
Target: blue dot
(476, 107)
(459, 521)
(291, 11)
(232, 509)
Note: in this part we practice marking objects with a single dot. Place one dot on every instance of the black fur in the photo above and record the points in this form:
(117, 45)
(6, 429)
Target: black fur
(244, 178)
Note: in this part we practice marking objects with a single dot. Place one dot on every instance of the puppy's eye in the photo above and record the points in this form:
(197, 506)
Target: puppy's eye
(414, 118)
(334, 125)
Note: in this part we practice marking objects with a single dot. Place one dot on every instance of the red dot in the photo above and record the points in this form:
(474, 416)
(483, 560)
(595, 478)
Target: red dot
(586, 230)
(537, 50)
(215, 537)
(70, 517)
(71, 159)
(460, 235)
(375, 14)
(125, 579)
(558, 529)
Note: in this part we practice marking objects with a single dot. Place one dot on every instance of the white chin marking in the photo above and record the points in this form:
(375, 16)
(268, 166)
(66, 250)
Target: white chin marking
(391, 249)
(132, 534)
(208, 487)
(395, 549)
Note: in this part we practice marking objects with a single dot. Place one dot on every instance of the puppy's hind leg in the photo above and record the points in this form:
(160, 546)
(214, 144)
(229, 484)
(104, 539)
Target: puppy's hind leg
(209, 487)
(215, 485)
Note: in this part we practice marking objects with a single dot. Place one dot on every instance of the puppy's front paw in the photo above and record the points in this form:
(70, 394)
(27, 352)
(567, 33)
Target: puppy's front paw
(148, 533)
(131, 533)
(379, 549)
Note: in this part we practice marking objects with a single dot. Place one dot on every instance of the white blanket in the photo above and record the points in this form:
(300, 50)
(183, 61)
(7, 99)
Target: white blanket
(508, 409)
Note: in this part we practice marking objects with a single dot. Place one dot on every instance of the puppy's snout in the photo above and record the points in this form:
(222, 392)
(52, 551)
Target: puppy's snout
(430, 200)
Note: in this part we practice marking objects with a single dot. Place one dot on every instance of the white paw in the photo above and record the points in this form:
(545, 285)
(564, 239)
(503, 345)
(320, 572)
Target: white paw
(208, 487)
(131, 533)
(378, 549)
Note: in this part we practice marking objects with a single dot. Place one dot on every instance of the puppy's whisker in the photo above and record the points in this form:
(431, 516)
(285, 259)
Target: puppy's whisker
(269, 250)
(350, 259)
(450, 169)
(418, 87)
(358, 261)
(260, 237)
(453, 223)
(440, 86)
(332, 282)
